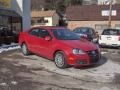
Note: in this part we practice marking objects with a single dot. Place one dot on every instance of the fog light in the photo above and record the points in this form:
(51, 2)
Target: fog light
(71, 58)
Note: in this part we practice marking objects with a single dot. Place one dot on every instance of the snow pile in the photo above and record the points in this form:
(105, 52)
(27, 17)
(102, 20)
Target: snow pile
(12, 46)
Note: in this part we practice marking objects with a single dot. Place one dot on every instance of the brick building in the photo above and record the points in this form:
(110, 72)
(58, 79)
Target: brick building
(95, 16)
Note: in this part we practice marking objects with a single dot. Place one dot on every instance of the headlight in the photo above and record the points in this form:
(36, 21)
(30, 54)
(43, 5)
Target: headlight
(78, 51)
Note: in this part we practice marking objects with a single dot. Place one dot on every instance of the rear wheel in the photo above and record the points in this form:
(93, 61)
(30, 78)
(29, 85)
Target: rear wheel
(25, 50)
(60, 60)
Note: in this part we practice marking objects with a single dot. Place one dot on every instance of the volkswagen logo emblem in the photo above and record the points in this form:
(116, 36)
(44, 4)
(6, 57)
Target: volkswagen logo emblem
(93, 52)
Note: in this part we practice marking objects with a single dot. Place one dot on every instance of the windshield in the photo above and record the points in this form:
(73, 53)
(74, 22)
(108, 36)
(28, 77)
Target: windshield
(65, 34)
(111, 32)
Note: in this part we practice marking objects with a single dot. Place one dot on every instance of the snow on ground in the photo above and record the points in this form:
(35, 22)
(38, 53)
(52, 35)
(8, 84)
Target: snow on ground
(12, 46)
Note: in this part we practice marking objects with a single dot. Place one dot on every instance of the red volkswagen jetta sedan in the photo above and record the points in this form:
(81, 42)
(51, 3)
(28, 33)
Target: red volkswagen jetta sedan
(59, 44)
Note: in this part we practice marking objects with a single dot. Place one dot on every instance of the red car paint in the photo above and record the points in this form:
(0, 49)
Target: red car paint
(48, 48)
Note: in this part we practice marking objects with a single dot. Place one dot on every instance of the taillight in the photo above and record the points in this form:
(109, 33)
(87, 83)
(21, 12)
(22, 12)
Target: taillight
(119, 38)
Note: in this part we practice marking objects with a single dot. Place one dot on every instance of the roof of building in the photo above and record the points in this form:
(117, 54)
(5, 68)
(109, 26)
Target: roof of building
(8, 12)
(90, 13)
(42, 13)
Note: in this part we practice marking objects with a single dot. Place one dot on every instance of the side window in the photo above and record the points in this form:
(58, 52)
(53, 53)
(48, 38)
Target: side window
(35, 32)
(78, 30)
(43, 33)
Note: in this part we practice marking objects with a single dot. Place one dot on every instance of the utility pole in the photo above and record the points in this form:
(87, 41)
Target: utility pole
(22, 7)
(110, 14)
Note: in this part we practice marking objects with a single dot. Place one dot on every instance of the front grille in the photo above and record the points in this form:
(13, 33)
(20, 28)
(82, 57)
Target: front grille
(92, 53)
(94, 56)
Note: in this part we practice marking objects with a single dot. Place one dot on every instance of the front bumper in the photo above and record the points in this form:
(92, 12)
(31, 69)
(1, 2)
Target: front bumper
(84, 60)
(109, 44)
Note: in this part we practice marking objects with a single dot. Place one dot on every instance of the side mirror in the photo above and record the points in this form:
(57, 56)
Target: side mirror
(48, 38)
(84, 36)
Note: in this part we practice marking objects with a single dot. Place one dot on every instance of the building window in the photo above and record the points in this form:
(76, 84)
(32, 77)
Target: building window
(45, 21)
(40, 20)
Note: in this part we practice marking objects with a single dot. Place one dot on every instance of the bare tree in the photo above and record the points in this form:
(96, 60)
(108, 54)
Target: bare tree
(5, 3)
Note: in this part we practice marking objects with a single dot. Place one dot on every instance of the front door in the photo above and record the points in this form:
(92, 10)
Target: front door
(32, 39)
(44, 46)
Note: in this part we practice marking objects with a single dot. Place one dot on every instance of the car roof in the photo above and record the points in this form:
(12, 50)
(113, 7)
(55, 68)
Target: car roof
(84, 27)
(110, 29)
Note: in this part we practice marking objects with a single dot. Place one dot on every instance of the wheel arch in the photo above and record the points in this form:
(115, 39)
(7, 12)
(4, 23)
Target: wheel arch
(56, 52)
(22, 43)
(66, 64)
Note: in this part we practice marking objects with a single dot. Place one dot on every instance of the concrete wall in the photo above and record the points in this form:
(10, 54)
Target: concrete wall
(74, 24)
(23, 8)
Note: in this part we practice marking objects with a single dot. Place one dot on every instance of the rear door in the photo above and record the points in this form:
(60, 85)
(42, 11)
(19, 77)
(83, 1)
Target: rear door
(44, 47)
(32, 39)
(37, 43)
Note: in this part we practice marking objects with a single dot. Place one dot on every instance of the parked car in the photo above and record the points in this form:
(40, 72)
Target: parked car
(6, 35)
(86, 32)
(110, 37)
(60, 45)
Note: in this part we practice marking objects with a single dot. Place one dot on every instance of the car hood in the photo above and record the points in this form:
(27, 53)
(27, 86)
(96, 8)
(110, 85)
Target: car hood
(80, 44)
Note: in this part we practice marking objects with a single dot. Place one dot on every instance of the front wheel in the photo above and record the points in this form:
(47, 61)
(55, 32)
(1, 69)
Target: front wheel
(60, 60)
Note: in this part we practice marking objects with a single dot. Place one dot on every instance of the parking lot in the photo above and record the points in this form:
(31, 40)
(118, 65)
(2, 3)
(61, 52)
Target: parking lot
(32, 72)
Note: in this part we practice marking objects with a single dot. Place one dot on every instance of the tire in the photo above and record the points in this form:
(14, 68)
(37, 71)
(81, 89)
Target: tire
(60, 60)
(25, 50)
